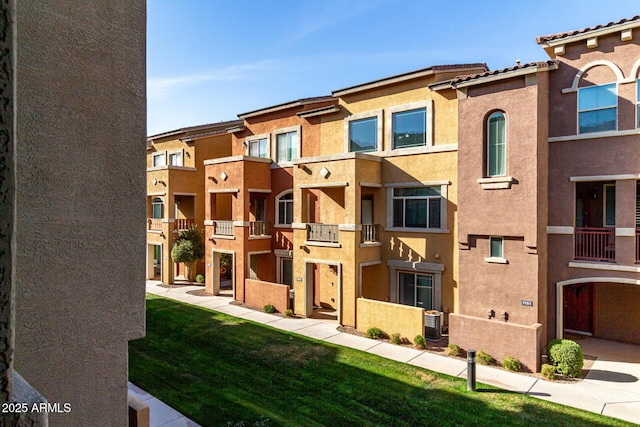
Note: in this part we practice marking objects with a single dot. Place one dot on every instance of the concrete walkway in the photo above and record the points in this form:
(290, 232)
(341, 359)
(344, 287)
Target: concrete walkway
(611, 388)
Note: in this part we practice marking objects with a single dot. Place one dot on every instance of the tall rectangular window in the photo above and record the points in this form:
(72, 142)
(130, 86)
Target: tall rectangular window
(287, 147)
(259, 148)
(285, 208)
(496, 145)
(417, 207)
(496, 247)
(597, 108)
(638, 103)
(175, 159)
(363, 134)
(409, 128)
(159, 160)
(609, 205)
(416, 289)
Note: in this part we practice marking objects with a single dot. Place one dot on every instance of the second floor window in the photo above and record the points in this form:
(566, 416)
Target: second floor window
(285, 209)
(417, 207)
(496, 247)
(175, 159)
(597, 108)
(159, 160)
(409, 128)
(157, 208)
(363, 134)
(286, 147)
(259, 148)
(496, 145)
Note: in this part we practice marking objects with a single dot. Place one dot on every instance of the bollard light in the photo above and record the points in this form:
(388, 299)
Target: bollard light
(471, 370)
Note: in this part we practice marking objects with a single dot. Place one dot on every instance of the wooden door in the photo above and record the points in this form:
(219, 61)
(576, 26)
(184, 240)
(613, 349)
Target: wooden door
(578, 308)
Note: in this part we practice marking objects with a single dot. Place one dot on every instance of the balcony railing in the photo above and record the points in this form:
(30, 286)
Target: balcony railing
(223, 228)
(258, 228)
(595, 244)
(322, 233)
(370, 233)
(183, 224)
(637, 245)
(155, 223)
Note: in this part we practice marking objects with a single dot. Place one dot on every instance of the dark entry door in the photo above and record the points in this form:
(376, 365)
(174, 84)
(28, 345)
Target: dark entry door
(578, 308)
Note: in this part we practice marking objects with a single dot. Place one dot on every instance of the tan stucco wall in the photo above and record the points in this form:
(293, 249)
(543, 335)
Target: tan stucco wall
(80, 187)
(391, 318)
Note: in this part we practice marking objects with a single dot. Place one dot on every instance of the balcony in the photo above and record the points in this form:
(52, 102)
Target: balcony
(183, 224)
(596, 244)
(370, 233)
(154, 223)
(326, 233)
(223, 228)
(259, 228)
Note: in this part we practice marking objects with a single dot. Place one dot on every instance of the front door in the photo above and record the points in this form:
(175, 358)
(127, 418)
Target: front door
(578, 308)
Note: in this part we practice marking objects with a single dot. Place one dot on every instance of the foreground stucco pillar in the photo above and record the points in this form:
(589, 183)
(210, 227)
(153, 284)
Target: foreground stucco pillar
(79, 260)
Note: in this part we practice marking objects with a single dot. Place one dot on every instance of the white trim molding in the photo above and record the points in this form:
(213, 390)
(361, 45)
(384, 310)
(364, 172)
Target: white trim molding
(625, 232)
(595, 135)
(576, 79)
(604, 178)
(496, 260)
(559, 229)
(323, 185)
(604, 266)
(390, 111)
(496, 182)
(360, 116)
(259, 190)
(417, 184)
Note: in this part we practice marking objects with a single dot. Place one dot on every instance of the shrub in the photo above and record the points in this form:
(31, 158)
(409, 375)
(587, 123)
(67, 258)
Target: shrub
(420, 342)
(548, 371)
(566, 356)
(511, 363)
(375, 333)
(288, 312)
(200, 278)
(396, 339)
(484, 358)
(269, 308)
(453, 350)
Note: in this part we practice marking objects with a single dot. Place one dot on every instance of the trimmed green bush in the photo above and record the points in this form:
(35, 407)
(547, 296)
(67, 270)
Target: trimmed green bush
(396, 338)
(269, 308)
(453, 350)
(375, 333)
(288, 312)
(548, 371)
(420, 342)
(511, 363)
(484, 358)
(200, 278)
(566, 356)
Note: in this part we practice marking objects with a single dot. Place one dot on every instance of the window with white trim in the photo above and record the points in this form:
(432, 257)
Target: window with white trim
(597, 108)
(157, 208)
(175, 159)
(416, 289)
(417, 207)
(496, 144)
(159, 159)
(287, 146)
(363, 134)
(259, 148)
(496, 247)
(409, 128)
(284, 205)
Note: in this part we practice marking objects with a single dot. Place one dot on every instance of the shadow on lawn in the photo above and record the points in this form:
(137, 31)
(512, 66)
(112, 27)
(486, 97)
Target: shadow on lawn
(220, 375)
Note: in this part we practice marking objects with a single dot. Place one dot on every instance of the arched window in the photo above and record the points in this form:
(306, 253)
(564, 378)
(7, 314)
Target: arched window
(284, 208)
(496, 144)
(157, 208)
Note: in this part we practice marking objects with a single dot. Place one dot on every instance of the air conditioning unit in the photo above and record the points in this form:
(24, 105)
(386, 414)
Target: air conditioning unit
(432, 325)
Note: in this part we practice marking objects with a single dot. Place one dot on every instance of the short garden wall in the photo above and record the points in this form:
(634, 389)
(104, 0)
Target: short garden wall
(498, 338)
(391, 318)
(259, 293)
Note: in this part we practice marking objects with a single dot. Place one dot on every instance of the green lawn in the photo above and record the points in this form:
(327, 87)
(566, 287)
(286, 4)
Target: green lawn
(221, 370)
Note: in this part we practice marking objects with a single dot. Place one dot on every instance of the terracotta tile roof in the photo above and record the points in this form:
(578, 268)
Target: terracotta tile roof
(217, 126)
(551, 37)
(470, 77)
(285, 105)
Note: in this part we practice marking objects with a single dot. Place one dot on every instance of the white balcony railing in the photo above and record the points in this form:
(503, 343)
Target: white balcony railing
(322, 233)
(223, 228)
(370, 233)
(258, 228)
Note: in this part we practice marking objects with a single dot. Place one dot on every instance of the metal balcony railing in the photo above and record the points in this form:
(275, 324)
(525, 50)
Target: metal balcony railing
(223, 228)
(322, 233)
(370, 233)
(258, 228)
(154, 223)
(183, 224)
(595, 244)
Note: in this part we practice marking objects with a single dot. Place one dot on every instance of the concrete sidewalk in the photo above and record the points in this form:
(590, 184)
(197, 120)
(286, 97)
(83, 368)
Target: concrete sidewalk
(612, 387)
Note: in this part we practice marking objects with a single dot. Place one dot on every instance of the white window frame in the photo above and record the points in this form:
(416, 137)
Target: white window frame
(389, 112)
(253, 138)
(496, 259)
(578, 111)
(604, 205)
(425, 268)
(443, 206)
(173, 153)
(637, 103)
(378, 114)
(277, 209)
(415, 286)
(298, 130)
(506, 143)
(160, 154)
(157, 201)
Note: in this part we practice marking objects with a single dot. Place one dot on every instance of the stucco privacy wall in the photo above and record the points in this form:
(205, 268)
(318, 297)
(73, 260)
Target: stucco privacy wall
(80, 200)
(391, 318)
(259, 293)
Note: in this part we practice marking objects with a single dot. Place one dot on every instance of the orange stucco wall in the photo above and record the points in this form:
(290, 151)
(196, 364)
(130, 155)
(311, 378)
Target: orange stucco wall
(259, 293)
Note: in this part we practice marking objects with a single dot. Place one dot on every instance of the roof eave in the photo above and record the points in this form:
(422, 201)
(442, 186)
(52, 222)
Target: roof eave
(503, 76)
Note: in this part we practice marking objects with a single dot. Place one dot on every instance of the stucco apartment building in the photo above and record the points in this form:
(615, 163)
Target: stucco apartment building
(175, 190)
(502, 206)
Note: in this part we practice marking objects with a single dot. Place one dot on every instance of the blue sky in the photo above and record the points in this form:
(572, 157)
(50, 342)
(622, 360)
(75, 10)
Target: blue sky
(209, 60)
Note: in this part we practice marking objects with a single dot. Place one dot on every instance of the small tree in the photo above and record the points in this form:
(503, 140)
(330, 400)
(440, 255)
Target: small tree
(188, 248)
